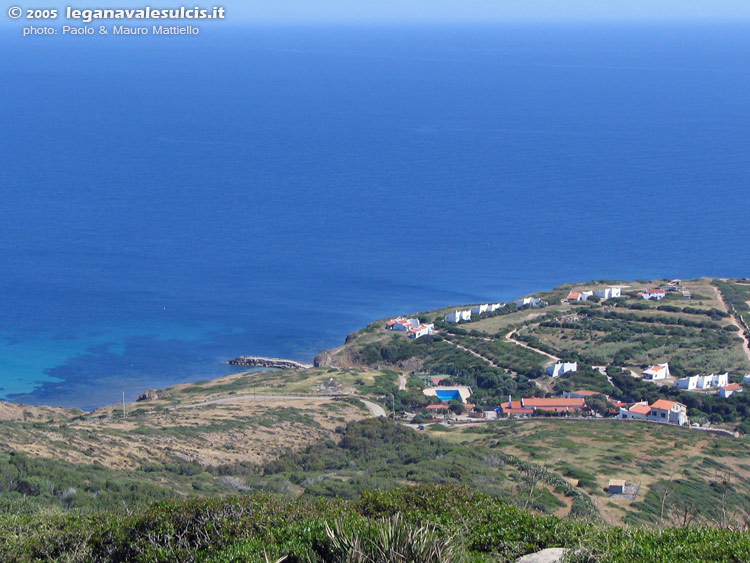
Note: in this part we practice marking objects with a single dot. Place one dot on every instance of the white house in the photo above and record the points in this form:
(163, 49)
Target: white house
(402, 324)
(458, 316)
(687, 383)
(746, 378)
(729, 390)
(609, 293)
(529, 302)
(561, 368)
(657, 294)
(495, 307)
(421, 330)
(479, 309)
(579, 295)
(670, 412)
(659, 371)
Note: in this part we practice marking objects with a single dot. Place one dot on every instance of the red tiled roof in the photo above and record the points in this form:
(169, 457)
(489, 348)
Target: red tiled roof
(574, 295)
(732, 387)
(664, 404)
(437, 407)
(640, 409)
(655, 291)
(552, 403)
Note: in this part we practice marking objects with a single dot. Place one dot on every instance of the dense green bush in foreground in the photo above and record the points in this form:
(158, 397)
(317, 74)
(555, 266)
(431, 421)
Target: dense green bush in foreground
(428, 523)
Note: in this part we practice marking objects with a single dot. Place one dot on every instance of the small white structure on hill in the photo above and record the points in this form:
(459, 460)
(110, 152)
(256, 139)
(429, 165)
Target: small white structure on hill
(746, 378)
(659, 371)
(561, 368)
(609, 293)
(495, 306)
(529, 302)
(479, 309)
(458, 316)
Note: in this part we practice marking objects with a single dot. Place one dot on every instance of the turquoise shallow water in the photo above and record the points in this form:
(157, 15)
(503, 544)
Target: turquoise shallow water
(167, 205)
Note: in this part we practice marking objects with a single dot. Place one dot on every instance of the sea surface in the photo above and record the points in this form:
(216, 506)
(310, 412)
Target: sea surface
(167, 203)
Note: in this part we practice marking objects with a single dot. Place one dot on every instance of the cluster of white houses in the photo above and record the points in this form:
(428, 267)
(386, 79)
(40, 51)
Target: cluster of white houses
(412, 327)
(702, 381)
(465, 315)
(697, 382)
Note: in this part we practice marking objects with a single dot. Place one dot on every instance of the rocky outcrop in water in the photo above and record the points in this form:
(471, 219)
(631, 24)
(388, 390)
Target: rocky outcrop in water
(259, 362)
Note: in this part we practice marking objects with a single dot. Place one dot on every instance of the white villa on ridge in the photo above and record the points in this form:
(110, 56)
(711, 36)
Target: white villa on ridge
(659, 371)
(402, 324)
(609, 293)
(702, 381)
(664, 411)
(458, 316)
(561, 368)
(579, 295)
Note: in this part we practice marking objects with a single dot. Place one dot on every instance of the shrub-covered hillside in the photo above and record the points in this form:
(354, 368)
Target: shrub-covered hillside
(423, 524)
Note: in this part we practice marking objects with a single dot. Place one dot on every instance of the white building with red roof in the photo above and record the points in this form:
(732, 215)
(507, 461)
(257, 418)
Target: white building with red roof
(657, 294)
(663, 410)
(729, 390)
(638, 410)
(421, 330)
(402, 324)
(579, 295)
(670, 412)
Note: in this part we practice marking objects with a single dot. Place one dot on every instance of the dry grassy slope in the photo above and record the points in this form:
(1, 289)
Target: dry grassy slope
(238, 424)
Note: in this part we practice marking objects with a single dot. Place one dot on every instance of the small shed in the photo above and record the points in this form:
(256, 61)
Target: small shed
(617, 487)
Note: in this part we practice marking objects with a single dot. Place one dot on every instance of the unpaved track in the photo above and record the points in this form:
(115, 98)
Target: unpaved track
(473, 353)
(509, 338)
(374, 408)
(735, 321)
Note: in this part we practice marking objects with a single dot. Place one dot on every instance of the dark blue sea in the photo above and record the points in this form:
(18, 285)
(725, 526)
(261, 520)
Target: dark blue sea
(167, 203)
